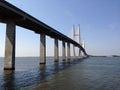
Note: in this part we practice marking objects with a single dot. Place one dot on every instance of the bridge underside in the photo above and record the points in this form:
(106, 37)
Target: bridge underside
(22, 19)
(13, 16)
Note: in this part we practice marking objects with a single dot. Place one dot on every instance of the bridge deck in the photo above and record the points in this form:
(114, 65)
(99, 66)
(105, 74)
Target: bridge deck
(22, 19)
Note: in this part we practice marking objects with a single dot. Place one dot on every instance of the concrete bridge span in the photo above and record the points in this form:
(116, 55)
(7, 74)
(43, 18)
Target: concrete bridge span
(12, 16)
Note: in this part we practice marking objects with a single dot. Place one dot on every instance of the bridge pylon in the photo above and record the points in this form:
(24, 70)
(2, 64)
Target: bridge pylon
(78, 39)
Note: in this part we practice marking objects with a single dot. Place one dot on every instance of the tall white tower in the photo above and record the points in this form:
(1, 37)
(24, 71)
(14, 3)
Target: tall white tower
(78, 40)
(73, 29)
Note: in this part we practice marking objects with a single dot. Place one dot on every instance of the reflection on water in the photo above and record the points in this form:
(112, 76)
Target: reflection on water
(8, 79)
(28, 72)
(94, 73)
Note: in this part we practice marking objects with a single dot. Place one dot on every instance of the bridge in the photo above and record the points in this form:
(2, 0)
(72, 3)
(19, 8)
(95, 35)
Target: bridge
(12, 16)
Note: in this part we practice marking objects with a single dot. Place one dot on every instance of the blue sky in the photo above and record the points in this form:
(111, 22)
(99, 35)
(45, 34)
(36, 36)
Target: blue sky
(99, 22)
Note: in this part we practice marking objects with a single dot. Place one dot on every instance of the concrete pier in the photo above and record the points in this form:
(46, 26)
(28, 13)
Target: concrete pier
(68, 50)
(80, 54)
(9, 60)
(56, 51)
(42, 49)
(63, 51)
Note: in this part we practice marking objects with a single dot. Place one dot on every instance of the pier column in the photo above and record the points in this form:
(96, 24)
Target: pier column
(42, 49)
(9, 60)
(63, 50)
(56, 50)
(80, 54)
(68, 50)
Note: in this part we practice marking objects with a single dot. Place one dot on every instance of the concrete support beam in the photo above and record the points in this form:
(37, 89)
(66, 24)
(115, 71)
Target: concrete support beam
(9, 60)
(42, 49)
(74, 54)
(56, 51)
(63, 50)
(80, 53)
(68, 50)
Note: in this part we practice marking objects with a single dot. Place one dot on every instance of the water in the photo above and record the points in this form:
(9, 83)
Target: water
(93, 73)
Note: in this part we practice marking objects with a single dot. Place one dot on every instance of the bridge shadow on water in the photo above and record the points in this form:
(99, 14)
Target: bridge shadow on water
(15, 80)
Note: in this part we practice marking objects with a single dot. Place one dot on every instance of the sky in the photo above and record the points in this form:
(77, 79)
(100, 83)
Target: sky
(99, 23)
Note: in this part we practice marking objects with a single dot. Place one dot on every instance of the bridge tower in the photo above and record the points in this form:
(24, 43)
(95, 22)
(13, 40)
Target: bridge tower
(77, 39)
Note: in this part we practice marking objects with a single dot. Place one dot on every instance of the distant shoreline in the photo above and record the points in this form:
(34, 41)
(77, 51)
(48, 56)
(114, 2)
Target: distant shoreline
(104, 56)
